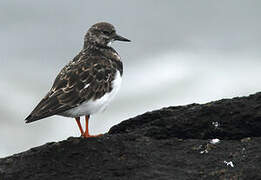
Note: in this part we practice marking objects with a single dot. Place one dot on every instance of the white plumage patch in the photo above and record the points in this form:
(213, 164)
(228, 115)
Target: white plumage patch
(87, 85)
(109, 44)
(98, 105)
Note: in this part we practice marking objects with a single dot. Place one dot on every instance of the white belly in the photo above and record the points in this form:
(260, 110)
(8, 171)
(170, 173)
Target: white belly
(98, 105)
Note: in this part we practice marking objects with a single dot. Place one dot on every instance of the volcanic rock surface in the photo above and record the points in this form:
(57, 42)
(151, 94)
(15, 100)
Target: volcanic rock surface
(170, 143)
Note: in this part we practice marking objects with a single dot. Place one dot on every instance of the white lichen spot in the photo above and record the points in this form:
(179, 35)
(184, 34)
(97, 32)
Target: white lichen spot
(204, 152)
(230, 163)
(215, 124)
(214, 141)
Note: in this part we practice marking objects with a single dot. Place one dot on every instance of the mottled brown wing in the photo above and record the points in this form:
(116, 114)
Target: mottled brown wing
(79, 81)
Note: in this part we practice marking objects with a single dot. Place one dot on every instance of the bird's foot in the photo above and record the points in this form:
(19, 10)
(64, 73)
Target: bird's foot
(89, 136)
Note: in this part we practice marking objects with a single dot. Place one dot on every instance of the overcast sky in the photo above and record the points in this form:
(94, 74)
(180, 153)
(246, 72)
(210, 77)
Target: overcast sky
(181, 52)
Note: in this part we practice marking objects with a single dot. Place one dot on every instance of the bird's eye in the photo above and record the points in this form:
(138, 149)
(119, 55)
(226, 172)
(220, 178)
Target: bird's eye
(106, 32)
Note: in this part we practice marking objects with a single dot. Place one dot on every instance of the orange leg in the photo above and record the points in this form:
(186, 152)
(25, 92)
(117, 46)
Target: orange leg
(86, 134)
(79, 125)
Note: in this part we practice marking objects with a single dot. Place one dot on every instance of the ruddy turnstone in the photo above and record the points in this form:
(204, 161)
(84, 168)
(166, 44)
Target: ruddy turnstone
(88, 83)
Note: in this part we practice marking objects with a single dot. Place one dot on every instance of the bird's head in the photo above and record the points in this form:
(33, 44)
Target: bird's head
(102, 34)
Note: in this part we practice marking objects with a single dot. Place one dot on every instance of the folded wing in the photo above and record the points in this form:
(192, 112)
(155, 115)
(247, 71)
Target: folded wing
(79, 81)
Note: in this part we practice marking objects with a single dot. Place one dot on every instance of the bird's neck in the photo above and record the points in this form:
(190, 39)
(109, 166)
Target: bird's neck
(88, 45)
(107, 51)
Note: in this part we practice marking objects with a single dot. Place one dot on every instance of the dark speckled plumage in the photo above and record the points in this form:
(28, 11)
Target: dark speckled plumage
(87, 77)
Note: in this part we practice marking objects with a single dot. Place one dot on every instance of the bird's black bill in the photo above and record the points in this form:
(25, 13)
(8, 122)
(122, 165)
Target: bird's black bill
(120, 38)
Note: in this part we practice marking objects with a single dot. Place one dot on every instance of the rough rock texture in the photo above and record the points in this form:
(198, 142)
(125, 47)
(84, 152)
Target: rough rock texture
(170, 143)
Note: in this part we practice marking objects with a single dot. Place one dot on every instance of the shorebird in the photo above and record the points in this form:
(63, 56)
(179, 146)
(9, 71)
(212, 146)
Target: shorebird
(88, 83)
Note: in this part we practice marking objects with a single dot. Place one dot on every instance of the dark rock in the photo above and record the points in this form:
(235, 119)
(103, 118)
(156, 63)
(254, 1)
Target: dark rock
(170, 143)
